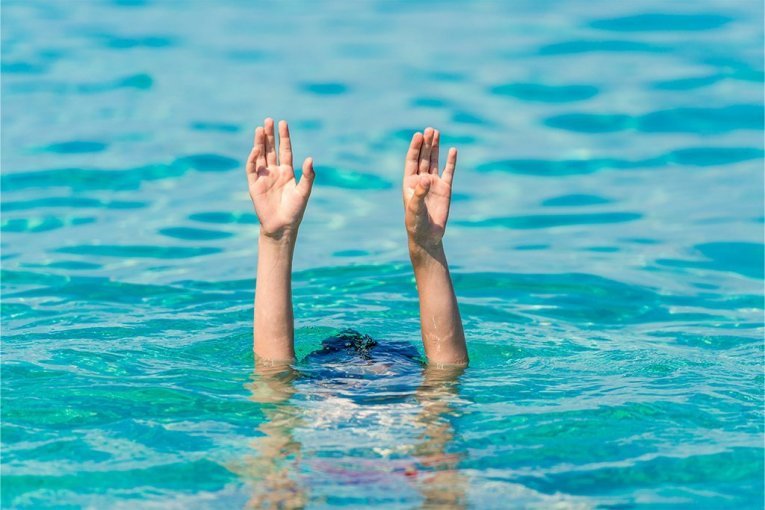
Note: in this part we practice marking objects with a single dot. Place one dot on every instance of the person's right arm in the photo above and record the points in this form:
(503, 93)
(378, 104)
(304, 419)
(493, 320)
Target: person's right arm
(280, 202)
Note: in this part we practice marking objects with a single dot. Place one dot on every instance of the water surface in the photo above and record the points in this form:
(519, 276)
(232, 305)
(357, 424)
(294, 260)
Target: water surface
(606, 241)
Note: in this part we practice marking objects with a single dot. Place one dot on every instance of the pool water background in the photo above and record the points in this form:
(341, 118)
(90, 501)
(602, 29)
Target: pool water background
(606, 243)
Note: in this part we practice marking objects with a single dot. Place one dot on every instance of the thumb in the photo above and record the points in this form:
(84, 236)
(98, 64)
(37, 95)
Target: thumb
(306, 180)
(417, 202)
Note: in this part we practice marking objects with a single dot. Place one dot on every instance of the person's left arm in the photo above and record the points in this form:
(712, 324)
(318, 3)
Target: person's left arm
(427, 199)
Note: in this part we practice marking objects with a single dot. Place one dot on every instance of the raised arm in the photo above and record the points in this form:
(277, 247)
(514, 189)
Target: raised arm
(279, 202)
(427, 197)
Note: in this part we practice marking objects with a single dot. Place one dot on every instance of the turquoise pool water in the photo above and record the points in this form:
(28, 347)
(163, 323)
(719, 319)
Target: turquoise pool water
(606, 242)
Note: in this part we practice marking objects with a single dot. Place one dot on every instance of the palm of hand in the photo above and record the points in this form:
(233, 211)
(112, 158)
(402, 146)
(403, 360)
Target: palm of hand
(278, 204)
(427, 196)
(431, 224)
(279, 199)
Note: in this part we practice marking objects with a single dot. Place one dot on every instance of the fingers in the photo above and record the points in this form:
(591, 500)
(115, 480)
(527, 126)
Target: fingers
(434, 152)
(252, 166)
(270, 142)
(413, 154)
(417, 202)
(306, 180)
(285, 145)
(427, 144)
(451, 165)
(260, 148)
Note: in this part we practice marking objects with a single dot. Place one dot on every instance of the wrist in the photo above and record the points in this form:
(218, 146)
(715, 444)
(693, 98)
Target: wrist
(273, 247)
(424, 253)
(285, 237)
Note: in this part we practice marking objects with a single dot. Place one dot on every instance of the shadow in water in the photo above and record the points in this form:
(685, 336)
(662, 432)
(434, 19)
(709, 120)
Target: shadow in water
(441, 484)
(274, 470)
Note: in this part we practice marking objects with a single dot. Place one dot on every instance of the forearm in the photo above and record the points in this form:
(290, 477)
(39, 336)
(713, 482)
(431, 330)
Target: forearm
(442, 333)
(274, 322)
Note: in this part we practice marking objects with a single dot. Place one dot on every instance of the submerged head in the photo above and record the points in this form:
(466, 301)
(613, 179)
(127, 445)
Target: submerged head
(364, 369)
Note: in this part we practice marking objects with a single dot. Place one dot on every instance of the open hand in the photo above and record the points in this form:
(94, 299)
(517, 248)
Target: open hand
(427, 195)
(279, 199)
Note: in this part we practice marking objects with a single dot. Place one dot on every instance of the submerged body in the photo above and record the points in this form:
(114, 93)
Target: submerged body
(353, 381)
(379, 393)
